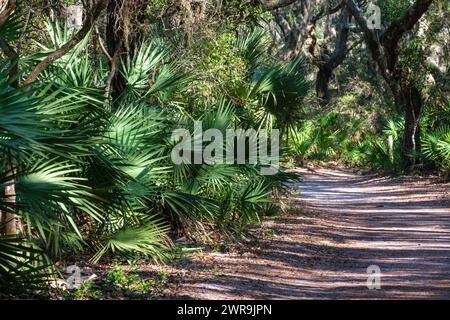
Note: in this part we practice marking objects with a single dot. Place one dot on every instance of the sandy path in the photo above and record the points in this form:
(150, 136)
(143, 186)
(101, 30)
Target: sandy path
(344, 223)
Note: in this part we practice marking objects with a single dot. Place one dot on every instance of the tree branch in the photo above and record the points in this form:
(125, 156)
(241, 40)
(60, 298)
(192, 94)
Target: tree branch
(370, 35)
(405, 23)
(391, 37)
(327, 9)
(385, 49)
(87, 26)
(340, 50)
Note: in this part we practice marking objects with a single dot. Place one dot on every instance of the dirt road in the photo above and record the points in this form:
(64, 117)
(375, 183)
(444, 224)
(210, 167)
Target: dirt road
(343, 223)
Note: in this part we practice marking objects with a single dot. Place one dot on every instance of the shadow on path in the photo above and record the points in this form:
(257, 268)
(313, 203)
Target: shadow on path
(345, 223)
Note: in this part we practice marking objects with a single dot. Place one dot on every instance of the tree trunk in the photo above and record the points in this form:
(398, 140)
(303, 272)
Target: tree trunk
(115, 45)
(322, 82)
(385, 51)
(390, 144)
(123, 37)
(328, 62)
(11, 219)
(412, 108)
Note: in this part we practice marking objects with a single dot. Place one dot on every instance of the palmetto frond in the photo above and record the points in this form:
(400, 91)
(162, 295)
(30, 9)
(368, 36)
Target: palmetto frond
(436, 146)
(148, 239)
(100, 179)
(23, 266)
(252, 46)
(149, 71)
(9, 29)
(276, 94)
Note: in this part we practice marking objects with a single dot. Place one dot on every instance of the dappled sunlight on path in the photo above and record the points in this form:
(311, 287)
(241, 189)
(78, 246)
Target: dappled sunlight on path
(344, 223)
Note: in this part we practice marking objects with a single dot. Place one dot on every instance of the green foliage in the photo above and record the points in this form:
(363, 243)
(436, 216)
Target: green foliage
(338, 137)
(393, 9)
(86, 291)
(94, 175)
(219, 67)
(23, 267)
(375, 148)
(130, 284)
(231, 195)
(329, 137)
(148, 239)
(121, 282)
(436, 148)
